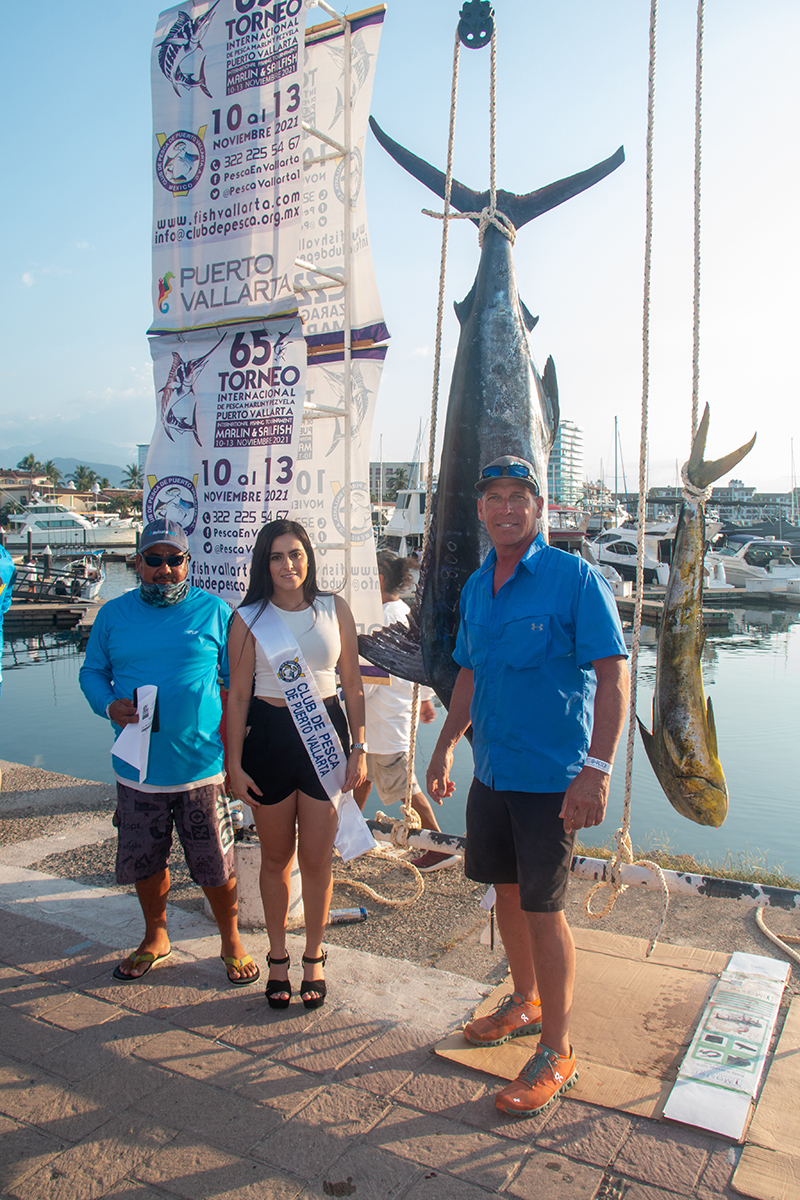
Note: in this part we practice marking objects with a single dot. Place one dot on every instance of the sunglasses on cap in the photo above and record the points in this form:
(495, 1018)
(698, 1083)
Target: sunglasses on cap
(174, 560)
(515, 470)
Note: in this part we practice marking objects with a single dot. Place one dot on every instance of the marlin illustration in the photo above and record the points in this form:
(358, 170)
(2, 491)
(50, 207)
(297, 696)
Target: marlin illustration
(360, 402)
(281, 343)
(683, 745)
(180, 384)
(498, 404)
(183, 39)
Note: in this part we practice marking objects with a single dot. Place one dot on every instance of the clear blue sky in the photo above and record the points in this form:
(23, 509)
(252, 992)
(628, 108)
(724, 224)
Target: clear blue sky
(76, 211)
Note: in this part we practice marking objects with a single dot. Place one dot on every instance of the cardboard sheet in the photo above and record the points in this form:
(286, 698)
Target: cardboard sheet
(632, 1021)
(769, 1168)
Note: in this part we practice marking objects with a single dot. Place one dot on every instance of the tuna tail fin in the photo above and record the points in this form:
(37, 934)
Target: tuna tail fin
(519, 209)
(702, 473)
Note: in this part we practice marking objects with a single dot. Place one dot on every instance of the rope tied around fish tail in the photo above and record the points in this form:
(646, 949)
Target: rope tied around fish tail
(691, 492)
(486, 217)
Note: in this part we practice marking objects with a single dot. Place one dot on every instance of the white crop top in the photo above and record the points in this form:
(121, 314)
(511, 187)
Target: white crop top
(316, 631)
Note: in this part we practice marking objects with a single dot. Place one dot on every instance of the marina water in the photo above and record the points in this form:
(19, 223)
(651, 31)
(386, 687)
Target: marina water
(752, 675)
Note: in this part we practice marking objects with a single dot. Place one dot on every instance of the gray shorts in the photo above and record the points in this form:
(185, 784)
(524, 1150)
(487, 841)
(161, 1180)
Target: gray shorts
(388, 772)
(145, 820)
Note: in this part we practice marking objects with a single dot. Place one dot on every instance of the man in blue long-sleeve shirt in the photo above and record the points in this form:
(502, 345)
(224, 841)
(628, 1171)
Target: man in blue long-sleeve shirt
(173, 636)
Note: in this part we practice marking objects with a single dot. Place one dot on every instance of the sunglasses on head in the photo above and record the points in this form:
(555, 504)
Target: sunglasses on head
(155, 560)
(515, 470)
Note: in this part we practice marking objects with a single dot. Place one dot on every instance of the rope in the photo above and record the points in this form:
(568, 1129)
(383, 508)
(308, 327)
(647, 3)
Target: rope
(387, 853)
(692, 493)
(779, 941)
(624, 851)
(410, 817)
(698, 130)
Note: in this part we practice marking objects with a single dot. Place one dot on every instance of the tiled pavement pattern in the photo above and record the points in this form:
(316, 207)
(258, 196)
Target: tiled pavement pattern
(182, 1087)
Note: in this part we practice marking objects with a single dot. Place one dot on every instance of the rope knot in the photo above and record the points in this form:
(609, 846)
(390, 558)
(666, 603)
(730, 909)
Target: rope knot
(691, 492)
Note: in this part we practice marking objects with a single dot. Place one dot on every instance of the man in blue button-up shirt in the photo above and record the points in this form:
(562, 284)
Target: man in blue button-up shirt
(544, 684)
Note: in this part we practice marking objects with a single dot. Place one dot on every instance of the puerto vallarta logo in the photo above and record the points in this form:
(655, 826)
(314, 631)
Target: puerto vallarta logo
(164, 290)
(290, 670)
(180, 160)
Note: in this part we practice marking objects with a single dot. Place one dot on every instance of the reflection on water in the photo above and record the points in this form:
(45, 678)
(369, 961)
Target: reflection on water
(752, 674)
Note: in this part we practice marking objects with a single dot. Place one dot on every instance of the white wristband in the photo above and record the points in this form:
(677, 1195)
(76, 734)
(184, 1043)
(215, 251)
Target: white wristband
(599, 765)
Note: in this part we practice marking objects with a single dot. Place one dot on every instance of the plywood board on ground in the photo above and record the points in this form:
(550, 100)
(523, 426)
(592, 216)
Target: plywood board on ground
(769, 1168)
(632, 1021)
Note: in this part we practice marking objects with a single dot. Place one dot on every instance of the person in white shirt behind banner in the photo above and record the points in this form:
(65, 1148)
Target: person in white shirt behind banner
(388, 708)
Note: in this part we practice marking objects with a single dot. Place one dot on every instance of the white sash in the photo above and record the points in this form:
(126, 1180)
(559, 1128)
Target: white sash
(312, 722)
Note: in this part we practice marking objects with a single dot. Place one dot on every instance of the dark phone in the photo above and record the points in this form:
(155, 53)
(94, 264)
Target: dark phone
(154, 727)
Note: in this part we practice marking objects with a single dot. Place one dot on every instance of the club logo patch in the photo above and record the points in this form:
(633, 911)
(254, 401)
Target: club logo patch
(290, 670)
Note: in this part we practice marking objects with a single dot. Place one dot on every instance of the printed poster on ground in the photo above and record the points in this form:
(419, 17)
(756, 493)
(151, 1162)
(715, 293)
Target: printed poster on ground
(222, 461)
(322, 237)
(227, 175)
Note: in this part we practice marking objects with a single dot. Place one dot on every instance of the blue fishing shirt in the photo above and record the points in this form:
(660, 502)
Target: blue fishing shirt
(531, 648)
(180, 649)
(7, 573)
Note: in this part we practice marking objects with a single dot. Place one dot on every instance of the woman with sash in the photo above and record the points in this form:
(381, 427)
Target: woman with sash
(269, 763)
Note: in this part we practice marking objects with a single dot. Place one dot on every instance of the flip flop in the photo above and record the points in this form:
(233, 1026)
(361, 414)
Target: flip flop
(145, 957)
(237, 964)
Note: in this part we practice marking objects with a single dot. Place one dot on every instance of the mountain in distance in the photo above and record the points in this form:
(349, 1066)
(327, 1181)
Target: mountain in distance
(67, 453)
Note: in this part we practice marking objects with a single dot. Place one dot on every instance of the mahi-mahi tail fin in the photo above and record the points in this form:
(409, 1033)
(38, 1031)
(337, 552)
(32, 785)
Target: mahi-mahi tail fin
(702, 473)
(519, 209)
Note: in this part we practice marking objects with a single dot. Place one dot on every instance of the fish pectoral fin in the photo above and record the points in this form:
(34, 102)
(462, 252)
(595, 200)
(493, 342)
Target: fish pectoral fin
(551, 391)
(712, 728)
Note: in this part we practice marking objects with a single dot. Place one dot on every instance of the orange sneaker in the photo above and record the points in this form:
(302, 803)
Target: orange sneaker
(543, 1077)
(513, 1017)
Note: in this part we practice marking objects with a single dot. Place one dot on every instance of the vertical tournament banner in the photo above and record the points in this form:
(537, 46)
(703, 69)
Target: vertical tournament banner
(322, 238)
(227, 174)
(320, 494)
(222, 458)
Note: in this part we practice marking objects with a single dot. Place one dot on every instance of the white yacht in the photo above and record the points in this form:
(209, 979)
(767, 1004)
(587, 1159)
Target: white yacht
(53, 524)
(406, 526)
(759, 561)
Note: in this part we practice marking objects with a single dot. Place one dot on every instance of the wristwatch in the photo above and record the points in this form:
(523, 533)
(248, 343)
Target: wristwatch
(360, 746)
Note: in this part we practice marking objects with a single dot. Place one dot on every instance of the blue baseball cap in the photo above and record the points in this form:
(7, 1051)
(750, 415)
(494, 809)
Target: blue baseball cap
(164, 533)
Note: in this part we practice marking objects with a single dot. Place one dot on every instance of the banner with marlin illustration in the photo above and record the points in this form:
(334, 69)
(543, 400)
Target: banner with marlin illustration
(319, 494)
(227, 176)
(322, 240)
(222, 460)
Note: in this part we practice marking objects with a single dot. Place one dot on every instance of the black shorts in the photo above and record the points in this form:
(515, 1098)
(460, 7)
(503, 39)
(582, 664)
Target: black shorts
(518, 837)
(274, 756)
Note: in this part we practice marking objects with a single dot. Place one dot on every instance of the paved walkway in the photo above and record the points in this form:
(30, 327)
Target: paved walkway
(180, 1086)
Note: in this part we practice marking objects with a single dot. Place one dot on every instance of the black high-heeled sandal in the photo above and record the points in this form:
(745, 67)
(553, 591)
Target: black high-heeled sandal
(277, 987)
(314, 985)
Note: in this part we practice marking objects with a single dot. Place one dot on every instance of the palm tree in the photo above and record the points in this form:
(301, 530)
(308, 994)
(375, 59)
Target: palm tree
(84, 477)
(133, 476)
(53, 473)
(31, 464)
